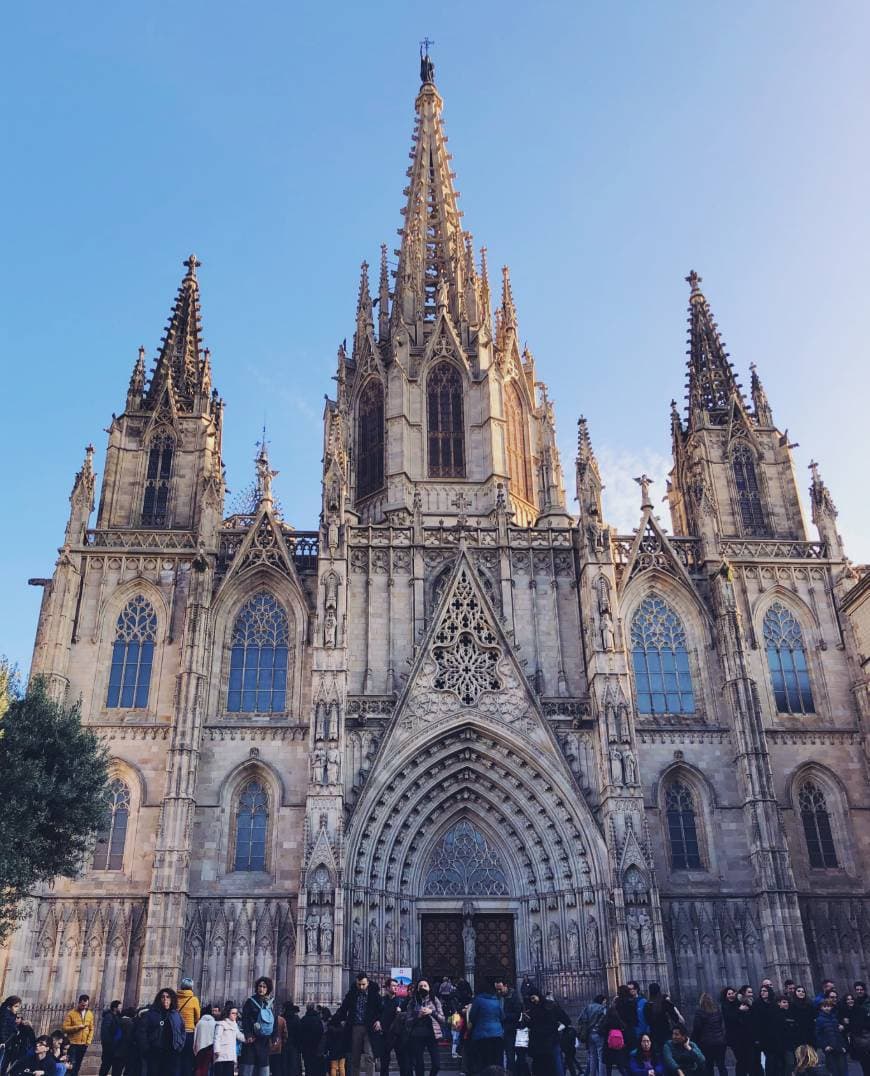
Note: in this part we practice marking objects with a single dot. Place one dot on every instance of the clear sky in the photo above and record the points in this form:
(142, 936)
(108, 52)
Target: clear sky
(602, 150)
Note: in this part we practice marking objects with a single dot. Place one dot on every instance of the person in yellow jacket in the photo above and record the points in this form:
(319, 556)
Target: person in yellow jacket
(189, 1010)
(78, 1026)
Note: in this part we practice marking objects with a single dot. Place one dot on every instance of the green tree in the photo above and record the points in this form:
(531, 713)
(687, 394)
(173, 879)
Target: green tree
(9, 684)
(55, 775)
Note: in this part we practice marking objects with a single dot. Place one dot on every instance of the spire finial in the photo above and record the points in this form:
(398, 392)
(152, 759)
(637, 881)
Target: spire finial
(712, 383)
(265, 474)
(694, 281)
(644, 481)
(508, 307)
(427, 68)
(192, 265)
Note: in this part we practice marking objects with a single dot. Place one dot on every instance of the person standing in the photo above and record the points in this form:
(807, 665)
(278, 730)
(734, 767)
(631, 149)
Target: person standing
(258, 1027)
(708, 1030)
(425, 1018)
(277, 1046)
(78, 1026)
(190, 1011)
(544, 1048)
(291, 1050)
(8, 1025)
(162, 1036)
(486, 1038)
(391, 1006)
(360, 1012)
(110, 1036)
(511, 1015)
(310, 1037)
(589, 1032)
(203, 1040)
(830, 1040)
(228, 1037)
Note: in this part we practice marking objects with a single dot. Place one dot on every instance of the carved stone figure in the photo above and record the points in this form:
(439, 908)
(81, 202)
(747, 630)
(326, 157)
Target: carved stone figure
(374, 944)
(630, 767)
(404, 948)
(318, 766)
(326, 934)
(616, 772)
(333, 721)
(321, 721)
(311, 924)
(356, 943)
(469, 944)
(608, 637)
(554, 945)
(333, 766)
(593, 942)
(389, 943)
(573, 941)
(330, 628)
(537, 947)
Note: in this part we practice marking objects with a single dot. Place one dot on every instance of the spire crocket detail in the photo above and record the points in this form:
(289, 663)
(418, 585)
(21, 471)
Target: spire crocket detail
(711, 377)
(180, 349)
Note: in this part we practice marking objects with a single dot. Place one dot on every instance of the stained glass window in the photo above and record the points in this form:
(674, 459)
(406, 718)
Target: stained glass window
(748, 493)
(109, 851)
(446, 422)
(252, 819)
(682, 830)
(370, 439)
(463, 864)
(155, 504)
(258, 658)
(787, 661)
(660, 659)
(132, 655)
(517, 447)
(817, 826)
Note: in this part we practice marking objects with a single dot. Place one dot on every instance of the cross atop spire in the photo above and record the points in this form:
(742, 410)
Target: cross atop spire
(711, 376)
(427, 68)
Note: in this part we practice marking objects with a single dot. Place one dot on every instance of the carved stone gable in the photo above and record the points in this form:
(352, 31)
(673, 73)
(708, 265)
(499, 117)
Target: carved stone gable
(465, 652)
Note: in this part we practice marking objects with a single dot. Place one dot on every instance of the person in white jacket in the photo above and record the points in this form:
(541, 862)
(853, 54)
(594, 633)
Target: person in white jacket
(203, 1041)
(227, 1034)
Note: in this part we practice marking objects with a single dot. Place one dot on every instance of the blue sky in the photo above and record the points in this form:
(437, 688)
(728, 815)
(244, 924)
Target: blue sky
(602, 150)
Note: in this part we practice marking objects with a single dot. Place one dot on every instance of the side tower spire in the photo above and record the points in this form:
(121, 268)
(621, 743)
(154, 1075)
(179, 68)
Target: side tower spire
(711, 383)
(179, 361)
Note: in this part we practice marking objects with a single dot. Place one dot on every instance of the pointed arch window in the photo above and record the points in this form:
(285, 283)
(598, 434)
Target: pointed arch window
(464, 864)
(258, 658)
(158, 473)
(660, 659)
(817, 826)
(132, 655)
(748, 492)
(787, 661)
(370, 439)
(682, 827)
(517, 444)
(109, 850)
(446, 422)
(252, 822)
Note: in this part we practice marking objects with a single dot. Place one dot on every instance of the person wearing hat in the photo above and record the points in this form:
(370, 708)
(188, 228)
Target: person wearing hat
(189, 1011)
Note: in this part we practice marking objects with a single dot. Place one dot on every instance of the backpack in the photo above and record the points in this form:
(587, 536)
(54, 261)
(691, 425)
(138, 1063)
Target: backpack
(264, 1025)
(615, 1039)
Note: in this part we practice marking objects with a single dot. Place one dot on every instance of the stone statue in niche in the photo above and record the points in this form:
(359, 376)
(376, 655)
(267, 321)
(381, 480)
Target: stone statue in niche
(311, 924)
(333, 721)
(537, 946)
(321, 721)
(326, 933)
(608, 636)
(630, 768)
(330, 628)
(573, 941)
(356, 943)
(469, 944)
(318, 766)
(374, 949)
(593, 945)
(616, 771)
(404, 947)
(389, 943)
(554, 945)
(333, 766)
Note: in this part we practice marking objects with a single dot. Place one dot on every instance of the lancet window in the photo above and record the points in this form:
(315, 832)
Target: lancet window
(660, 659)
(464, 864)
(787, 661)
(155, 504)
(258, 658)
(252, 822)
(370, 439)
(446, 422)
(682, 827)
(517, 444)
(748, 492)
(132, 655)
(817, 826)
(109, 851)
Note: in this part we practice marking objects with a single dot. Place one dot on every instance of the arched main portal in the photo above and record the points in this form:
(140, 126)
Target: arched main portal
(472, 849)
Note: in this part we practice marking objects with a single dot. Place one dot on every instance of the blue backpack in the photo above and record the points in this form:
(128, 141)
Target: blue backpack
(264, 1025)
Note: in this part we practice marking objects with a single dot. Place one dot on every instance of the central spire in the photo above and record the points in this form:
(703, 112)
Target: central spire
(432, 253)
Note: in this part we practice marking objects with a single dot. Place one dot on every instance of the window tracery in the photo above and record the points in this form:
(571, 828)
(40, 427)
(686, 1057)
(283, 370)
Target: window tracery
(660, 660)
(464, 864)
(682, 827)
(158, 473)
(252, 820)
(748, 492)
(132, 655)
(109, 850)
(370, 439)
(517, 444)
(446, 422)
(817, 826)
(258, 658)
(466, 649)
(787, 661)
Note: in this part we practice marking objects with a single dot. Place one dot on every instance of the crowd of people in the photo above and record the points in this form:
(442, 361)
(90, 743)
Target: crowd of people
(493, 1031)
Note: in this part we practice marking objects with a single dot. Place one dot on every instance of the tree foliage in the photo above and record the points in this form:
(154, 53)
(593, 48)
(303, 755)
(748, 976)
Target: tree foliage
(55, 774)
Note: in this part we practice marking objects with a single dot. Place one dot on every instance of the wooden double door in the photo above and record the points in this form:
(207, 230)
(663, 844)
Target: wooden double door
(443, 949)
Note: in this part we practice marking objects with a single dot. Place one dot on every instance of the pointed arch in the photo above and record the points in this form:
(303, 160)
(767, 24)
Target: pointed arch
(370, 438)
(159, 465)
(519, 462)
(822, 811)
(660, 658)
(464, 862)
(251, 823)
(132, 655)
(747, 489)
(250, 798)
(259, 654)
(445, 413)
(112, 836)
(787, 659)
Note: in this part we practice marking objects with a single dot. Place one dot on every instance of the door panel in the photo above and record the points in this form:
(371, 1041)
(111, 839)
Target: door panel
(494, 948)
(442, 948)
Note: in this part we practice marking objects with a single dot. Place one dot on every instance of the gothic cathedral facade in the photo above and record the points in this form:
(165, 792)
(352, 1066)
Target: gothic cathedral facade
(457, 727)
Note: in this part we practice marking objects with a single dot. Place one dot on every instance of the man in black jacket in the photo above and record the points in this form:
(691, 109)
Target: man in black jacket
(110, 1036)
(309, 1034)
(361, 1013)
(511, 1012)
(391, 1006)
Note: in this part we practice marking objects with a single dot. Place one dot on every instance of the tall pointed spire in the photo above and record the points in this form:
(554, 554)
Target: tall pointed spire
(137, 382)
(711, 377)
(760, 404)
(586, 461)
(179, 358)
(432, 242)
(508, 306)
(383, 296)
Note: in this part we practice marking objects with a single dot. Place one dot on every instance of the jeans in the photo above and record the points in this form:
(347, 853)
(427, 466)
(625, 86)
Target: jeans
(418, 1049)
(361, 1053)
(595, 1055)
(250, 1069)
(76, 1056)
(187, 1055)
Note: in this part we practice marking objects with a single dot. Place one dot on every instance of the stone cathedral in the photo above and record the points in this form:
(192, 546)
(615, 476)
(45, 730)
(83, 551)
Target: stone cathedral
(458, 727)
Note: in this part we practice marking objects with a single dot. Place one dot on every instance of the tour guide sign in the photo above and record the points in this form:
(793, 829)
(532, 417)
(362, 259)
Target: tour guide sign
(403, 980)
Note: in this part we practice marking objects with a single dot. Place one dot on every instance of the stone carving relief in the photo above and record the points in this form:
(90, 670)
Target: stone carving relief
(464, 864)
